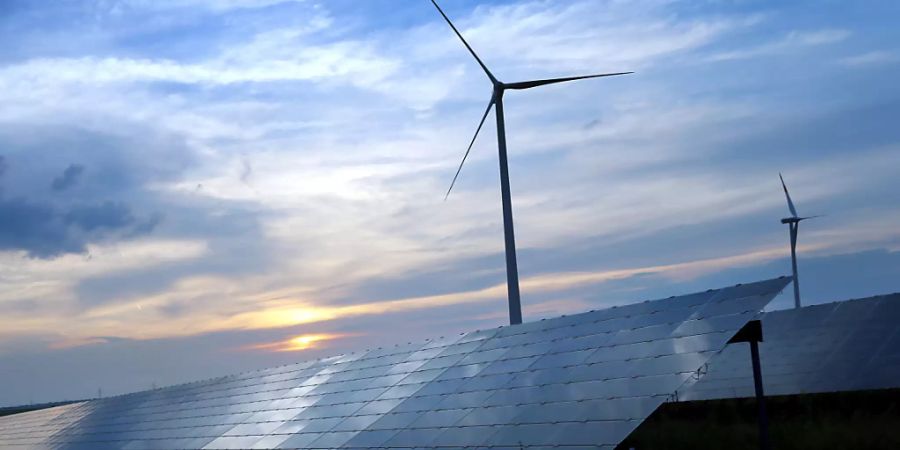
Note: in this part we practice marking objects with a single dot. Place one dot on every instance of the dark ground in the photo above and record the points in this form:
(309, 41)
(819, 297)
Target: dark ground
(847, 420)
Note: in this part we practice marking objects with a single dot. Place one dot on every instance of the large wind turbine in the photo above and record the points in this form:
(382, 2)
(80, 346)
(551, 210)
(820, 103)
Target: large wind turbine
(499, 87)
(793, 223)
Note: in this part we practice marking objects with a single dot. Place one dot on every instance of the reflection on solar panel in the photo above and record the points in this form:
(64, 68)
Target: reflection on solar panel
(582, 380)
(844, 346)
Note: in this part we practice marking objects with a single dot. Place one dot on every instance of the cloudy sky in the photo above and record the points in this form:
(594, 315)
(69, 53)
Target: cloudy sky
(191, 188)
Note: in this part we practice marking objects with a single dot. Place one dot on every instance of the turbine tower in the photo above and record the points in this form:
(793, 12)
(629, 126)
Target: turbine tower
(499, 87)
(793, 223)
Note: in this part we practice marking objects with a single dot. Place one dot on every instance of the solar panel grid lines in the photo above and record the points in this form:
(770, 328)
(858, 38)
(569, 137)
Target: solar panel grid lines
(52, 419)
(586, 379)
(832, 347)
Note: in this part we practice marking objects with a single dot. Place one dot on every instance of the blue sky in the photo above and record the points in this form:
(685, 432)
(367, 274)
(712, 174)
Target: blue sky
(192, 188)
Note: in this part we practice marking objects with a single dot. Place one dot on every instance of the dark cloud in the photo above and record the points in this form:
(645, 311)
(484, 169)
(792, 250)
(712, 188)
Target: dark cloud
(69, 178)
(112, 204)
(108, 215)
(115, 203)
(120, 164)
(44, 231)
(35, 228)
(148, 225)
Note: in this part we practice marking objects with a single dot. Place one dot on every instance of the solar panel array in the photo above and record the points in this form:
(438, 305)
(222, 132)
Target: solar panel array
(844, 346)
(577, 381)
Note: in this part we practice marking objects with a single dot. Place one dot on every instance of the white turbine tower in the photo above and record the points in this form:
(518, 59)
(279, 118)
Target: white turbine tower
(793, 223)
(499, 87)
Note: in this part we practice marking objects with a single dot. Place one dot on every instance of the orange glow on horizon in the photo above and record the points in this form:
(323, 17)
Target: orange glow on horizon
(296, 343)
(297, 308)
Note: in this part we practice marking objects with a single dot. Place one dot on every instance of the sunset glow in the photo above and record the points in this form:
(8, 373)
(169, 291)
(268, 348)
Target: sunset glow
(296, 343)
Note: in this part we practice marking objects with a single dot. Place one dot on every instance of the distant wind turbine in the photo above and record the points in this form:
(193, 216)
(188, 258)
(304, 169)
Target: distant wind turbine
(793, 223)
(512, 273)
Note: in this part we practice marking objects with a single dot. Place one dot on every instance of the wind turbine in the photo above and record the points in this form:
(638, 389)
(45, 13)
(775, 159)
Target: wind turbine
(499, 87)
(793, 223)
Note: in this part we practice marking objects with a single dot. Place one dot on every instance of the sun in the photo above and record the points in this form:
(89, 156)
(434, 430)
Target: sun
(304, 341)
(296, 343)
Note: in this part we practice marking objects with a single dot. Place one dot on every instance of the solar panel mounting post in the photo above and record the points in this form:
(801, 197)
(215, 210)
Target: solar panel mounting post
(752, 334)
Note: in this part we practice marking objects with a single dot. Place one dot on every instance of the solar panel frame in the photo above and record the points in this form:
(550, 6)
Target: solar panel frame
(842, 346)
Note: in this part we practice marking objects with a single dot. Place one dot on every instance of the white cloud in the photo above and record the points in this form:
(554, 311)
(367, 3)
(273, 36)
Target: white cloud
(819, 37)
(527, 39)
(214, 5)
(873, 58)
(793, 41)
(351, 62)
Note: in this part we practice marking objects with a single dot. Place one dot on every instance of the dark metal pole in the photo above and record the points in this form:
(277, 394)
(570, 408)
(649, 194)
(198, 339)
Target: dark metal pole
(793, 226)
(762, 417)
(512, 270)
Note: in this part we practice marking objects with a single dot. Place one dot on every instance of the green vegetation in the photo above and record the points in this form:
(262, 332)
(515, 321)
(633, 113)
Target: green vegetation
(848, 420)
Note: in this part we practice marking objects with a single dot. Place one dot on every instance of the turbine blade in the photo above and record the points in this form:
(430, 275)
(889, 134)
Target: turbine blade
(480, 63)
(471, 143)
(536, 83)
(786, 194)
(811, 217)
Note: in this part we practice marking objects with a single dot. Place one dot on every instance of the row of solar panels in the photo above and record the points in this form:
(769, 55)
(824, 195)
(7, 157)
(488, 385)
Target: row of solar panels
(583, 380)
(579, 381)
(844, 346)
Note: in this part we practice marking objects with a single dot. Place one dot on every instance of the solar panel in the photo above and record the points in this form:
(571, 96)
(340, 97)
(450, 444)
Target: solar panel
(843, 346)
(581, 380)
